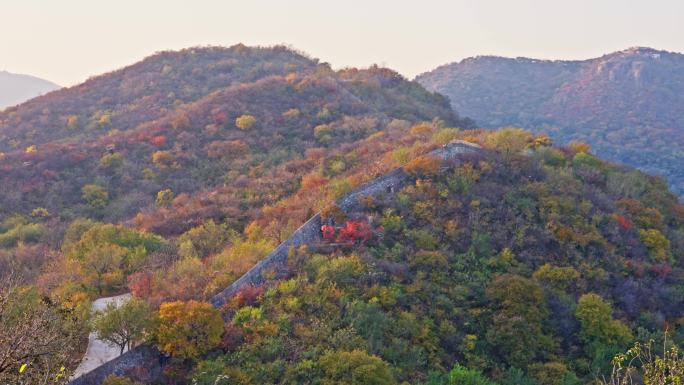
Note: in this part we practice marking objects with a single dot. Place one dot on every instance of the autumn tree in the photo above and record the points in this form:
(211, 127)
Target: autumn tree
(355, 368)
(37, 338)
(557, 277)
(243, 253)
(204, 240)
(107, 252)
(658, 245)
(460, 375)
(424, 166)
(291, 114)
(104, 262)
(164, 198)
(598, 328)
(123, 325)
(96, 196)
(84, 236)
(188, 329)
(576, 147)
(517, 321)
(72, 122)
(164, 159)
(509, 141)
(245, 122)
(227, 149)
(112, 162)
(642, 362)
(323, 133)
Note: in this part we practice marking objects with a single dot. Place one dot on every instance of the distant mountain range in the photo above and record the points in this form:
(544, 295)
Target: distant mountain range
(16, 88)
(629, 105)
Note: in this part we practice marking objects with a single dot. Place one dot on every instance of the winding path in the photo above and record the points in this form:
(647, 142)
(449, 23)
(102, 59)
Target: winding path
(98, 351)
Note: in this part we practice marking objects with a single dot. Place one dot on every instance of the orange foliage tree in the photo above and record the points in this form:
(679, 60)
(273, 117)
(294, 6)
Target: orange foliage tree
(424, 166)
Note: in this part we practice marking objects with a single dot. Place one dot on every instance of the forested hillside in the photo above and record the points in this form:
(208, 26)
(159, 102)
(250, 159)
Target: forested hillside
(241, 119)
(558, 252)
(626, 104)
(523, 264)
(142, 92)
(112, 184)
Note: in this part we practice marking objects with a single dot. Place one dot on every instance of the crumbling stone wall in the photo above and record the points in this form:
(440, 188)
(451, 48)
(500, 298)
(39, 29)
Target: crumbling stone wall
(309, 232)
(141, 364)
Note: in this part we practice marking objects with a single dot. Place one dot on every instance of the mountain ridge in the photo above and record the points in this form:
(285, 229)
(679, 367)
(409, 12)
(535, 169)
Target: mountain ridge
(18, 88)
(623, 103)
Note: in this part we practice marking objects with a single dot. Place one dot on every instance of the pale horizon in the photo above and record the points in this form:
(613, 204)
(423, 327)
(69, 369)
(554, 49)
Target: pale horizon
(69, 41)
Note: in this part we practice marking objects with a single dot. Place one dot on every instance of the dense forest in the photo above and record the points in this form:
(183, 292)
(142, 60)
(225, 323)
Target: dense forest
(442, 282)
(626, 104)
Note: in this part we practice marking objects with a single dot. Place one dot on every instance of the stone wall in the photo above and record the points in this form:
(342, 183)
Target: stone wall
(140, 364)
(310, 233)
(144, 359)
(274, 263)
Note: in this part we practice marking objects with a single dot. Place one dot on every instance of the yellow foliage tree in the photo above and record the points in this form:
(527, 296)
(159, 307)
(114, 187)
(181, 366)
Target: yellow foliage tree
(95, 195)
(163, 159)
(245, 122)
(188, 329)
(578, 147)
(509, 140)
(72, 122)
(164, 198)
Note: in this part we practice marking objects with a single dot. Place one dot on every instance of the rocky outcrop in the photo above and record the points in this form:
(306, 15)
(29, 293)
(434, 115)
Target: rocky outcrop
(145, 363)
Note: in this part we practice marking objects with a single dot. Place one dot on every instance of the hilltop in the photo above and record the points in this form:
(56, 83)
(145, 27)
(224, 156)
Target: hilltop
(16, 88)
(170, 122)
(626, 104)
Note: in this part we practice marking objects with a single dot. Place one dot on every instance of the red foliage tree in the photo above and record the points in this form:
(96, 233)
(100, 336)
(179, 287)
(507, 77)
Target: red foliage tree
(662, 270)
(624, 222)
(355, 231)
(232, 338)
(219, 117)
(158, 140)
(248, 296)
(328, 232)
(140, 284)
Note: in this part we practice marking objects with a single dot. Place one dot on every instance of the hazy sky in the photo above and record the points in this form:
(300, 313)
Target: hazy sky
(67, 41)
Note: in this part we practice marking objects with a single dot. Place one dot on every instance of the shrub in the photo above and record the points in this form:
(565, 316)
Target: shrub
(460, 375)
(95, 196)
(424, 166)
(245, 122)
(509, 141)
(657, 243)
(164, 198)
(116, 380)
(355, 368)
(598, 328)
